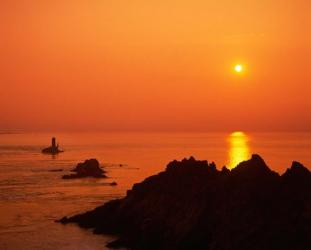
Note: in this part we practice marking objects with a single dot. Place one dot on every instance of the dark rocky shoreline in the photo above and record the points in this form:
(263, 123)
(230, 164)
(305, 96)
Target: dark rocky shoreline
(192, 205)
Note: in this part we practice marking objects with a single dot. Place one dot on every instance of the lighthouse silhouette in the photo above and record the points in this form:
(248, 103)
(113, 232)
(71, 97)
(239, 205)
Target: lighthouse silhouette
(53, 149)
(54, 142)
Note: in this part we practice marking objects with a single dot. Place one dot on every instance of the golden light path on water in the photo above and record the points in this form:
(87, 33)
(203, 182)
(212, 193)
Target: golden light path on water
(238, 148)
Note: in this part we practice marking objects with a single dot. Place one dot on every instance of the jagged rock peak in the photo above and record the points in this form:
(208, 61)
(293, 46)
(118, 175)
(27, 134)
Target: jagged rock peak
(189, 163)
(255, 165)
(297, 169)
(298, 165)
(225, 170)
(258, 158)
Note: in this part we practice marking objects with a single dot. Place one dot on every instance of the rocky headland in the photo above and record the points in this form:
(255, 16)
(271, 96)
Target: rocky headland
(192, 205)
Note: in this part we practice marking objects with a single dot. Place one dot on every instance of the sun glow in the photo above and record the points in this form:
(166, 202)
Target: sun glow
(238, 68)
(239, 149)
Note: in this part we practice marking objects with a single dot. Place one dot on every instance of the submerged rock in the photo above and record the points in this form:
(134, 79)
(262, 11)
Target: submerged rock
(88, 168)
(192, 205)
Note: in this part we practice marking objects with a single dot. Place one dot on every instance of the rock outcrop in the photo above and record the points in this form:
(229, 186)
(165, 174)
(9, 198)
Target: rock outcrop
(192, 205)
(88, 168)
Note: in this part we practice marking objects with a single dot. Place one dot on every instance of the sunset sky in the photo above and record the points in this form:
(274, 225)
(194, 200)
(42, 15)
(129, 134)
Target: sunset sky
(155, 65)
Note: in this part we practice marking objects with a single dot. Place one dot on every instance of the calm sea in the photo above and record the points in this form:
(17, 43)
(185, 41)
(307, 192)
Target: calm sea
(32, 197)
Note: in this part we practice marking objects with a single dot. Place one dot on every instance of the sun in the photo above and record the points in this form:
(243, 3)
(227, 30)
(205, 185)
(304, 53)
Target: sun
(238, 68)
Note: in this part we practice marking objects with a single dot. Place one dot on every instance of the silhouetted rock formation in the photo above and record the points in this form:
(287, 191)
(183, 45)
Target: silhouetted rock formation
(89, 168)
(53, 149)
(192, 205)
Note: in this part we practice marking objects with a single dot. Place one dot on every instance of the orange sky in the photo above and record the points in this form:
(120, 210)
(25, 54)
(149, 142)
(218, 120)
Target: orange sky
(155, 65)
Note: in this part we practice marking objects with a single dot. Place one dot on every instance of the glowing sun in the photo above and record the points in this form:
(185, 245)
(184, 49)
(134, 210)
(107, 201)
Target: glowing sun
(238, 68)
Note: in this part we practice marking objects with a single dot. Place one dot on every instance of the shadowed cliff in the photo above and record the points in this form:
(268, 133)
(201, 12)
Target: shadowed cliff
(192, 205)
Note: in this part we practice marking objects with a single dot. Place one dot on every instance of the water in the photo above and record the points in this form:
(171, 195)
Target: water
(32, 197)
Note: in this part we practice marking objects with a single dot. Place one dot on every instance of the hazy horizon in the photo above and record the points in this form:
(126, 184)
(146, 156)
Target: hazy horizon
(175, 131)
(156, 65)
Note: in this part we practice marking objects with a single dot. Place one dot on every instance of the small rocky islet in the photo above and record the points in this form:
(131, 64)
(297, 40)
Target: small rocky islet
(88, 168)
(192, 205)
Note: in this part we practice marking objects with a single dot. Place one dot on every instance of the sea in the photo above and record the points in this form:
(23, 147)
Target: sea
(33, 195)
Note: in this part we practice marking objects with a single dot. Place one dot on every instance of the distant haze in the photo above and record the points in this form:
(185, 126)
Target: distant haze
(155, 65)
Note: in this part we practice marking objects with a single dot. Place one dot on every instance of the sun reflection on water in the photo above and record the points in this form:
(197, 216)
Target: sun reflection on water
(238, 150)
